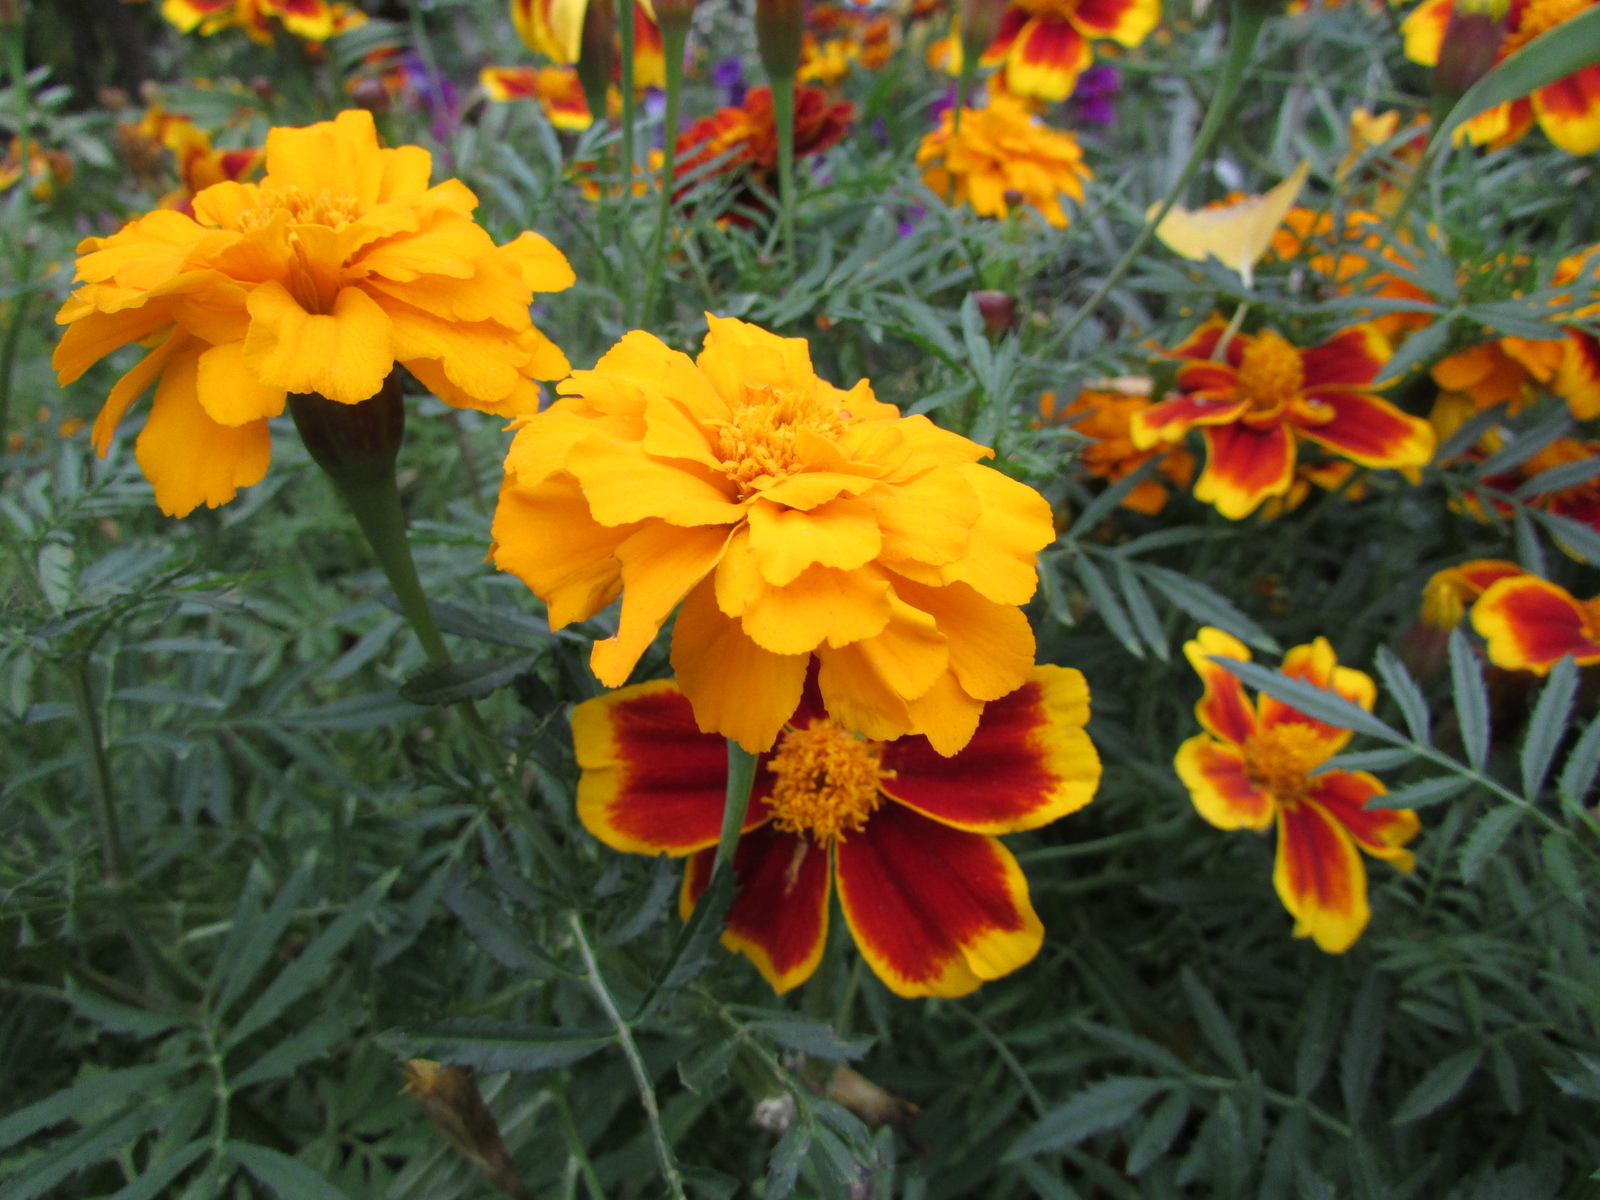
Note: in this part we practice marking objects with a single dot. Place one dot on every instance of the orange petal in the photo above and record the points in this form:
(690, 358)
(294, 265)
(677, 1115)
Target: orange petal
(1220, 786)
(229, 393)
(935, 911)
(1568, 111)
(545, 536)
(1531, 624)
(1578, 377)
(1424, 30)
(660, 563)
(779, 920)
(189, 458)
(1014, 524)
(652, 783)
(344, 355)
(1029, 763)
(1320, 877)
(841, 533)
(991, 645)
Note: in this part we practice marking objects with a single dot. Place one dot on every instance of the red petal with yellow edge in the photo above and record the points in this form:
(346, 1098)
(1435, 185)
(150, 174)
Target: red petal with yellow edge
(1217, 380)
(1424, 30)
(510, 83)
(1243, 467)
(738, 689)
(1126, 21)
(1351, 358)
(1223, 709)
(1029, 763)
(1370, 431)
(1202, 343)
(1220, 786)
(779, 920)
(1046, 59)
(1381, 832)
(1316, 664)
(1569, 111)
(1169, 420)
(1578, 377)
(935, 911)
(1012, 22)
(1531, 624)
(652, 783)
(1320, 877)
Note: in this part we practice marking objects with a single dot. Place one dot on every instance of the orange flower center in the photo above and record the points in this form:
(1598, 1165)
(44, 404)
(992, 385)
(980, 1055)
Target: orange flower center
(827, 781)
(1280, 760)
(1538, 16)
(766, 437)
(1270, 373)
(303, 208)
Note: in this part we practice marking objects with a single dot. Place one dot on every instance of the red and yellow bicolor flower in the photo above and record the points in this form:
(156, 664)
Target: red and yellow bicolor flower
(557, 90)
(936, 904)
(1531, 624)
(554, 28)
(1044, 45)
(1256, 765)
(1568, 110)
(1262, 394)
(1450, 592)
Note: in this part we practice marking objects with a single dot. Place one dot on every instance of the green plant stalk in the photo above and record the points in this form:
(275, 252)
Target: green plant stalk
(673, 36)
(8, 350)
(112, 857)
(374, 501)
(1243, 28)
(783, 115)
(630, 163)
(741, 779)
(22, 262)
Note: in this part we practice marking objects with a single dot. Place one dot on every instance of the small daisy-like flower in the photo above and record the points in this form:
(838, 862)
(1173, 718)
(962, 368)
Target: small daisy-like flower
(1003, 155)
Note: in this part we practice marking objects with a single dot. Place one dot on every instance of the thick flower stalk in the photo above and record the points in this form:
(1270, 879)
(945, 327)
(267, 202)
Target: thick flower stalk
(1256, 765)
(340, 264)
(1568, 110)
(935, 903)
(1255, 402)
(1530, 624)
(792, 520)
(1001, 152)
(1044, 45)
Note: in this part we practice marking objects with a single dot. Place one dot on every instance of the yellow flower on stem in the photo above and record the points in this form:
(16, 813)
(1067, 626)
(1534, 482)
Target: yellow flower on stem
(790, 519)
(340, 264)
(1003, 155)
(1256, 765)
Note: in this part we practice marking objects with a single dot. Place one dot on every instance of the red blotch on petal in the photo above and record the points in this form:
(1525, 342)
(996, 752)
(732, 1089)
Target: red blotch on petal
(1531, 625)
(1244, 466)
(1379, 831)
(1320, 878)
(1351, 358)
(1370, 431)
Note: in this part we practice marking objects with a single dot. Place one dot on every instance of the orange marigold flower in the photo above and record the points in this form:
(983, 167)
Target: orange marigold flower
(1002, 149)
(557, 89)
(554, 28)
(1044, 45)
(1256, 765)
(1254, 403)
(748, 134)
(341, 263)
(312, 20)
(1103, 413)
(1504, 371)
(826, 62)
(936, 904)
(48, 170)
(1449, 593)
(791, 519)
(1568, 110)
(1577, 376)
(1309, 233)
(1530, 624)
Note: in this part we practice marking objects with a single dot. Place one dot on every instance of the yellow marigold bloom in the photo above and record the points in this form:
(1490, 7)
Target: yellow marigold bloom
(791, 519)
(339, 264)
(1003, 149)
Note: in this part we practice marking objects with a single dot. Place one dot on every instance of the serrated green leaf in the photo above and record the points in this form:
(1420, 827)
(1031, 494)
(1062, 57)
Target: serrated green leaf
(1363, 1045)
(451, 683)
(1487, 836)
(1423, 793)
(1577, 777)
(1548, 726)
(1160, 1130)
(815, 1038)
(1407, 695)
(708, 1064)
(788, 1156)
(116, 1016)
(1107, 605)
(97, 1091)
(300, 1047)
(250, 942)
(158, 1176)
(1471, 699)
(498, 1045)
(1559, 865)
(1439, 1086)
(1214, 1025)
(1141, 610)
(1108, 1104)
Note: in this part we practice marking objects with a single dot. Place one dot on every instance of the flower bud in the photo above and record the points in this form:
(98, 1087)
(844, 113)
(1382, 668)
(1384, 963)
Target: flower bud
(13, 12)
(597, 52)
(998, 309)
(453, 1105)
(780, 28)
(1468, 51)
(674, 14)
(979, 22)
(354, 443)
(875, 1105)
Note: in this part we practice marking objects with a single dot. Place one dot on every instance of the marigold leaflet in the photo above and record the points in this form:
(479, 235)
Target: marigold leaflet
(934, 901)
(1256, 765)
(791, 520)
(340, 264)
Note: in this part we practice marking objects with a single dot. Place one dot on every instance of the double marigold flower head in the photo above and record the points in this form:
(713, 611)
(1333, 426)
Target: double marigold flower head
(792, 521)
(1003, 155)
(339, 264)
(1256, 765)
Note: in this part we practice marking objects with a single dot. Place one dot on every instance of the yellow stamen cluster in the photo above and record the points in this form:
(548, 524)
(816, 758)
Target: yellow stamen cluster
(827, 781)
(1540, 16)
(303, 208)
(1270, 373)
(1280, 760)
(763, 439)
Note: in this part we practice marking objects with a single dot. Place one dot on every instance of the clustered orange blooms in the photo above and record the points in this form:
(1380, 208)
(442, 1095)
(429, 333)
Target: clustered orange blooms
(1103, 412)
(198, 163)
(1259, 765)
(839, 35)
(1527, 623)
(313, 20)
(1003, 155)
(1568, 110)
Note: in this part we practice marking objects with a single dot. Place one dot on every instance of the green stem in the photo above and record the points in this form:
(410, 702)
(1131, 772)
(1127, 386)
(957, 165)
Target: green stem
(630, 162)
(375, 503)
(113, 862)
(741, 778)
(8, 351)
(1243, 27)
(783, 115)
(641, 1077)
(673, 36)
(575, 1148)
(17, 72)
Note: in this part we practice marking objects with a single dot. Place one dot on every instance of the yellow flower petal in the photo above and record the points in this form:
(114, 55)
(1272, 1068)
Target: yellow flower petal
(344, 355)
(1236, 235)
(189, 458)
(229, 393)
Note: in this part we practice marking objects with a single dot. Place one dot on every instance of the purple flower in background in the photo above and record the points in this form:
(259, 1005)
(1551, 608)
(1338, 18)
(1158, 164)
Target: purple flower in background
(1094, 100)
(910, 219)
(729, 75)
(435, 95)
(943, 104)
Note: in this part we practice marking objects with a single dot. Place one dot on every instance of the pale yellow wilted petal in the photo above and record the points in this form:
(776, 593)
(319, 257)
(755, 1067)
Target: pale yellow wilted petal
(566, 26)
(1236, 235)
